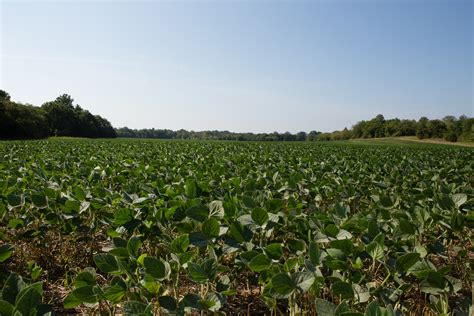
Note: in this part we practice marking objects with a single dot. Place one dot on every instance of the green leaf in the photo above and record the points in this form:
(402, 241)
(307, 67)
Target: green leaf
(344, 245)
(6, 309)
(120, 252)
(134, 308)
(303, 280)
(216, 209)
(240, 232)
(421, 268)
(373, 309)
(14, 200)
(203, 272)
(28, 300)
(459, 199)
(297, 245)
(180, 244)
(314, 253)
(331, 230)
(375, 250)
(13, 285)
(343, 289)
(133, 246)
(386, 201)
(211, 228)
(324, 308)
(71, 301)
(404, 262)
(436, 279)
(191, 189)
(106, 263)
(259, 216)
(198, 212)
(283, 284)
(274, 251)
(86, 277)
(72, 206)
(85, 294)
(168, 303)
(39, 200)
(123, 216)
(197, 273)
(6, 251)
(210, 303)
(156, 268)
(79, 193)
(260, 263)
(114, 293)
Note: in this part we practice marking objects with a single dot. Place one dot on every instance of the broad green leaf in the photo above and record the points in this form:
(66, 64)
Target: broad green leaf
(198, 212)
(28, 300)
(343, 289)
(314, 254)
(71, 301)
(134, 308)
(39, 200)
(260, 263)
(283, 284)
(85, 294)
(6, 251)
(123, 216)
(114, 293)
(6, 309)
(14, 200)
(375, 250)
(86, 277)
(168, 303)
(133, 246)
(13, 285)
(373, 309)
(303, 280)
(324, 307)
(259, 216)
(459, 199)
(106, 263)
(211, 228)
(191, 189)
(216, 209)
(197, 273)
(180, 244)
(240, 233)
(405, 261)
(274, 251)
(156, 268)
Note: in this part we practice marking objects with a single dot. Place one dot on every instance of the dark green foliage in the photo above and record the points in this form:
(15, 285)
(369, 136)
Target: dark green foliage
(182, 227)
(56, 118)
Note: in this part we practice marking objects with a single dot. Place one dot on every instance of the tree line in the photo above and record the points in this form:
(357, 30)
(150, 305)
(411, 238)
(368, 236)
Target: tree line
(62, 118)
(449, 128)
(214, 135)
(55, 118)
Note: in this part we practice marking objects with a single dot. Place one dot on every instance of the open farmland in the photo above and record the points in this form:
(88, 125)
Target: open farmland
(142, 227)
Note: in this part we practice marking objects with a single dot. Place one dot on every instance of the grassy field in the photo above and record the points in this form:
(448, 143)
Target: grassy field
(140, 227)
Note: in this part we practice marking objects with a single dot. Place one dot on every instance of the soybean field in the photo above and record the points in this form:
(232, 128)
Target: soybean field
(148, 227)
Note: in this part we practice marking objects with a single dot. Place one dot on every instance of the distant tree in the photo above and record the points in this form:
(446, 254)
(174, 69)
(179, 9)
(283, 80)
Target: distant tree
(313, 135)
(300, 136)
(422, 128)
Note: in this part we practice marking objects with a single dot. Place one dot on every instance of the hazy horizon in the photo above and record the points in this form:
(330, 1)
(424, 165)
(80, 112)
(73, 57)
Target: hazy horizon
(242, 66)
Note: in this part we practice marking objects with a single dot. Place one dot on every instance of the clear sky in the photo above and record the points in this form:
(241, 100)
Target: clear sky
(257, 66)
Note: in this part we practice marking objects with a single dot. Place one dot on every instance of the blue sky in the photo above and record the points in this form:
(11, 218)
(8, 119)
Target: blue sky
(257, 66)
